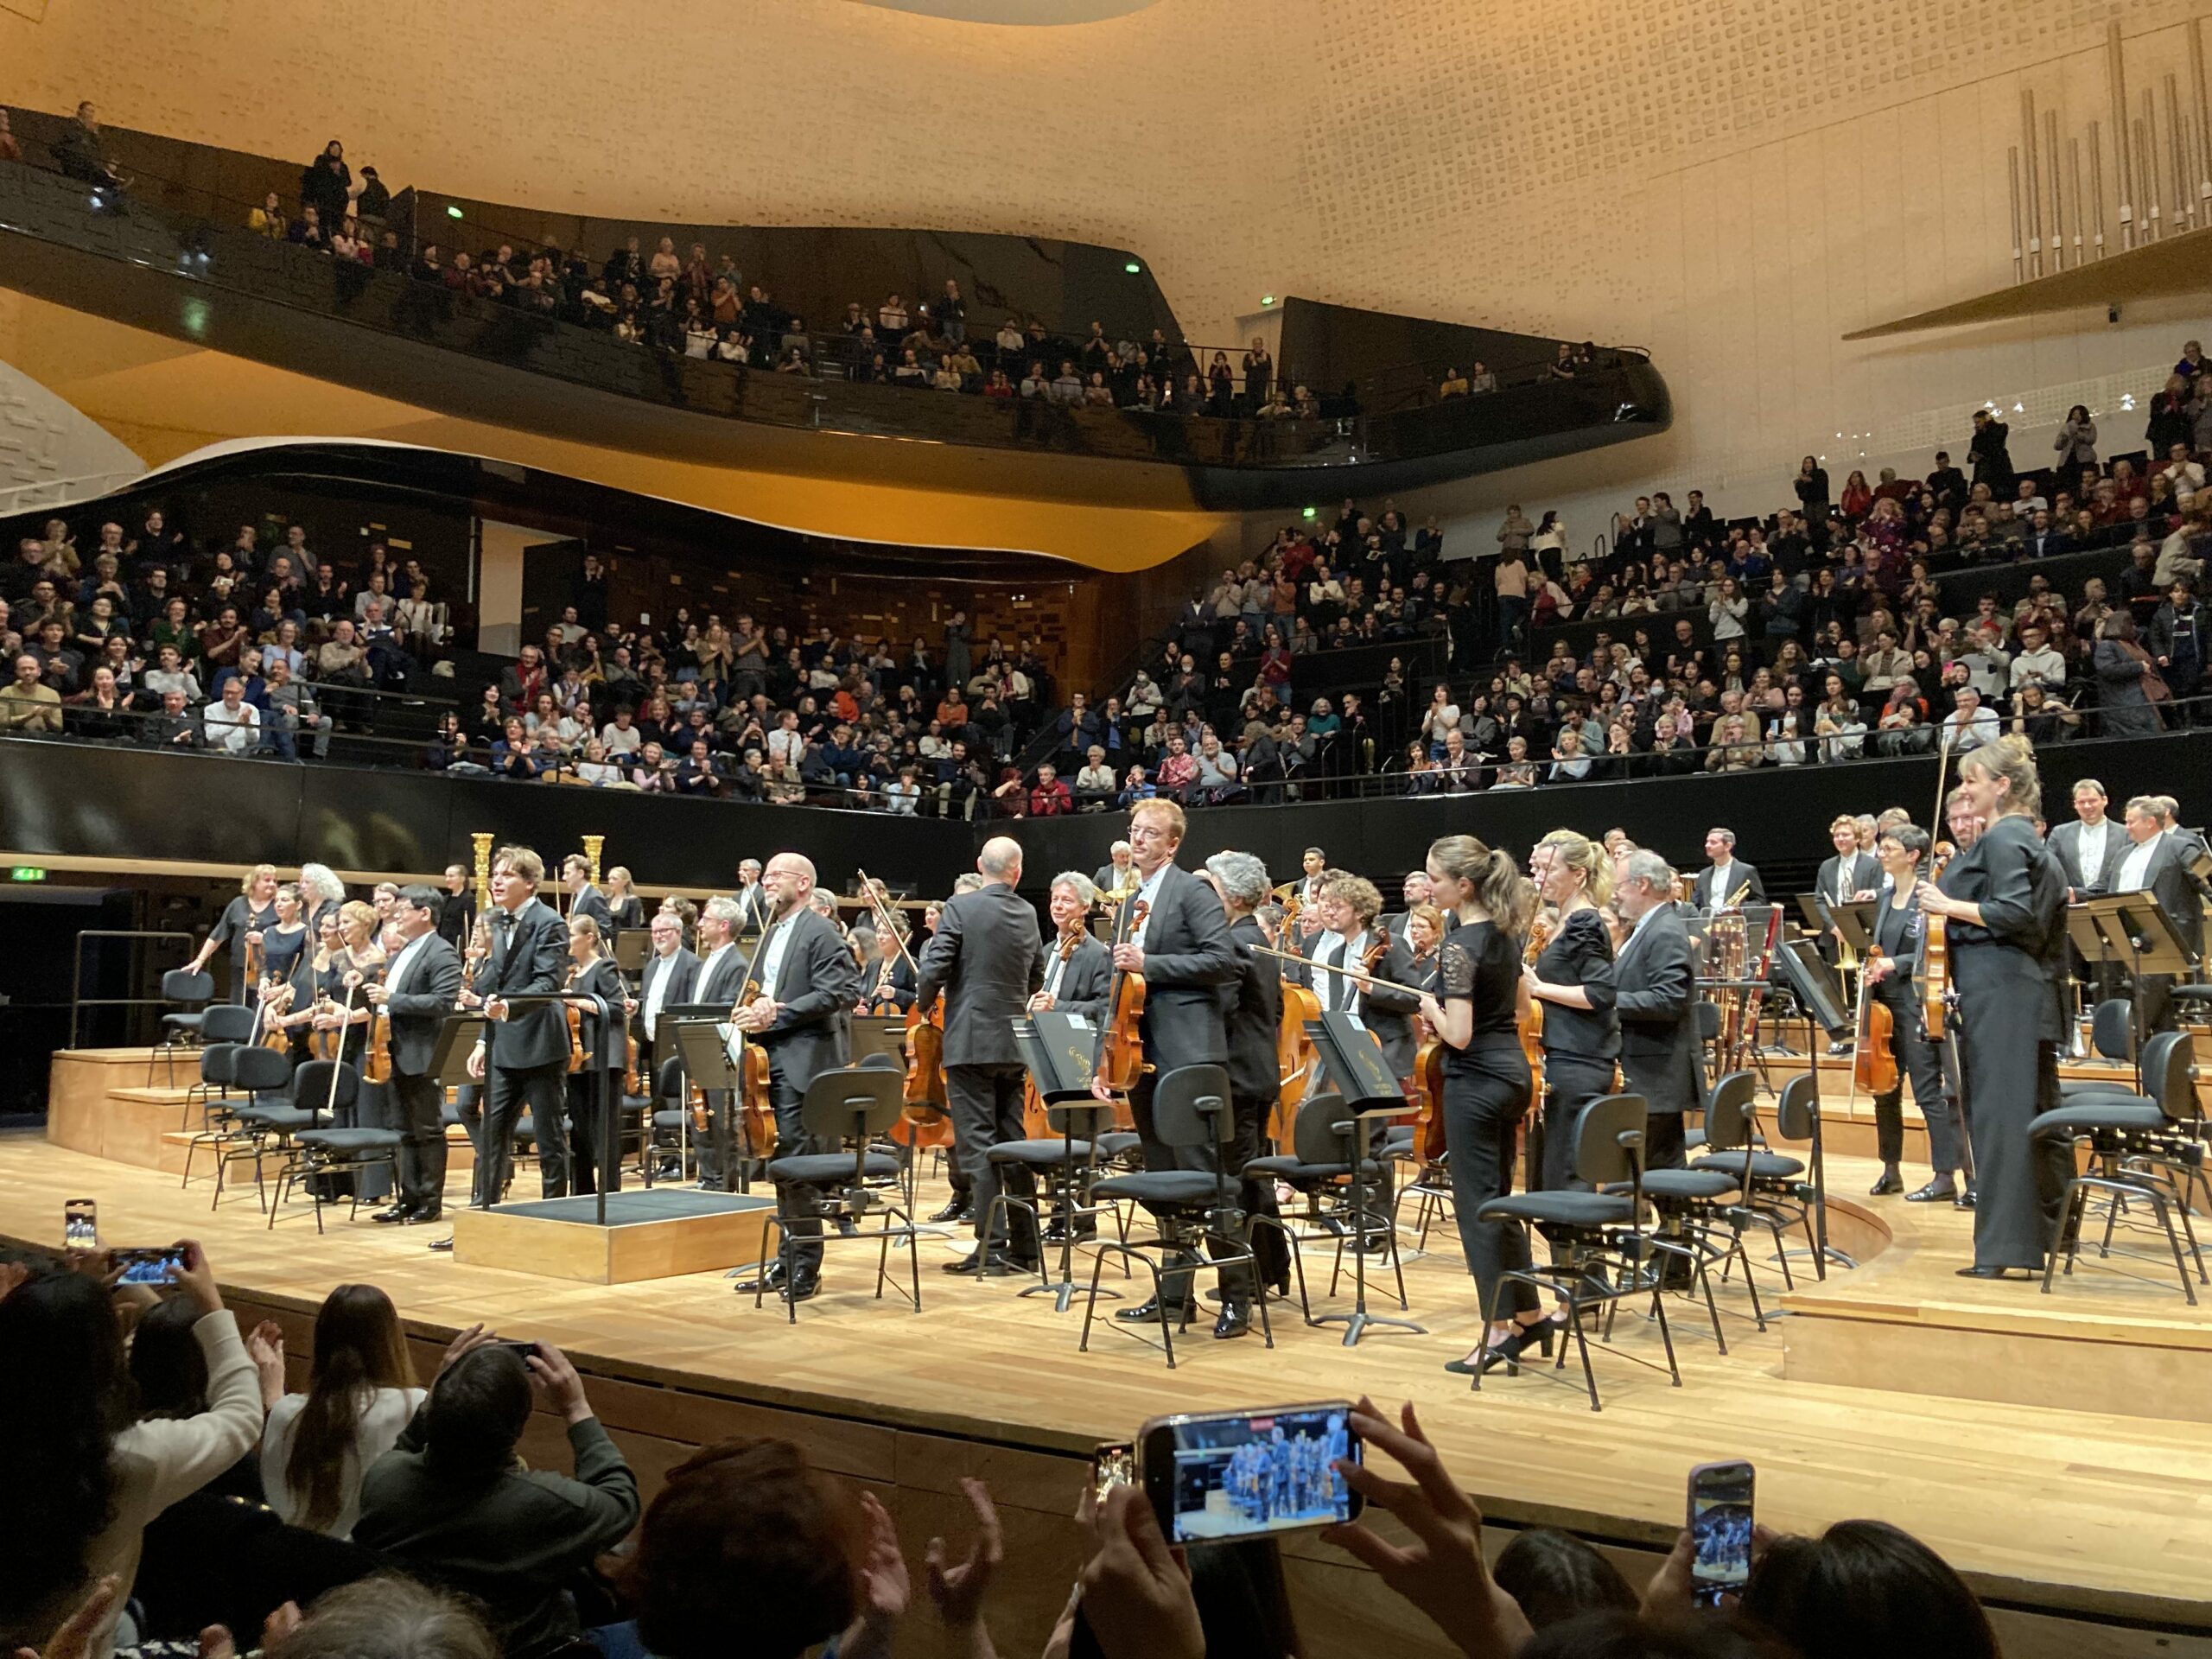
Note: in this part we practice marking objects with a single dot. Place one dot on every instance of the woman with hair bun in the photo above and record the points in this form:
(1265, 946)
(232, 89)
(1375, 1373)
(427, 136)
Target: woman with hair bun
(1574, 979)
(1476, 1012)
(2004, 901)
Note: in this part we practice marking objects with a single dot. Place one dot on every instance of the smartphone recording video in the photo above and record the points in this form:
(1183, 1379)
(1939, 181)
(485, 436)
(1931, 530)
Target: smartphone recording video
(80, 1224)
(1720, 1531)
(1233, 1475)
(149, 1265)
(1113, 1464)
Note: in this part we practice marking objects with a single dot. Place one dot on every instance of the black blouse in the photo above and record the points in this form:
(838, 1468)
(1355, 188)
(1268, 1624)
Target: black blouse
(2004, 872)
(1480, 964)
(1580, 953)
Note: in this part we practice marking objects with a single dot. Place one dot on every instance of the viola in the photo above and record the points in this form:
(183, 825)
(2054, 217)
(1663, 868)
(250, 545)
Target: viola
(376, 1063)
(1540, 930)
(1120, 1062)
(1874, 1067)
(1935, 953)
(1294, 1061)
(274, 1035)
(575, 1016)
(925, 1122)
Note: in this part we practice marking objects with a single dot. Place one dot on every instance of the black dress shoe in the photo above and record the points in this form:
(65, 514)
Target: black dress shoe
(415, 1217)
(958, 1210)
(1979, 1272)
(1236, 1319)
(981, 1261)
(443, 1245)
(1933, 1193)
(1889, 1183)
(396, 1212)
(1836, 1051)
(1148, 1309)
(1967, 1199)
(771, 1279)
(804, 1287)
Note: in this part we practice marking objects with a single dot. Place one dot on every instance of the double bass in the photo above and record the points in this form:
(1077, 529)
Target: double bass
(927, 1121)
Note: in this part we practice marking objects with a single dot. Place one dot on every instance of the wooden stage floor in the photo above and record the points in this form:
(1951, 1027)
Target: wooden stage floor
(2084, 1520)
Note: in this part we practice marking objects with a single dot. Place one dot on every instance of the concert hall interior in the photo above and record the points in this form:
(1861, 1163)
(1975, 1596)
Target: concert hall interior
(970, 826)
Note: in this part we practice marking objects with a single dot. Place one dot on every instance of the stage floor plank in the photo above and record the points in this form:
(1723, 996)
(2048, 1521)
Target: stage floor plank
(2079, 1512)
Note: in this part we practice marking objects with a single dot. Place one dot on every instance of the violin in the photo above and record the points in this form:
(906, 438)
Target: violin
(575, 1017)
(376, 1063)
(276, 1003)
(1935, 951)
(885, 1004)
(1874, 1067)
(1120, 1062)
(257, 959)
(755, 1104)
(1540, 932)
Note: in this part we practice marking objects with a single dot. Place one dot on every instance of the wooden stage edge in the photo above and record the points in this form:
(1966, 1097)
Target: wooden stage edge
(2085, 1531)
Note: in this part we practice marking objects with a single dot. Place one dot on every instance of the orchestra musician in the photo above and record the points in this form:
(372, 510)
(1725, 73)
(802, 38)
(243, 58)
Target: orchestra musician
(1848, 877)
(584, 897)
(351, 963)
(622, 899)
(1573, 977)
(1116, 873)
(1415, 892)
(1655, 998)
(1077, 969)
(807, 981)
(718, 982)
(322, 892)
(1254, 1013)
(1314, 865)
(670, 980)
(1181, 952)
(1338, 976)
(241, 927)
(522, 1056)
(1424, 931)
(2089, 848)
(752, 898)
(381, 898)
(457, 917)
(1727, 881)
(415, 995)
(987, 962)
(1892, 972)
(1476, 1013)
(606, 1053)
(2154, 860)
(2004, 899)
(285, 945)
(960, 1206)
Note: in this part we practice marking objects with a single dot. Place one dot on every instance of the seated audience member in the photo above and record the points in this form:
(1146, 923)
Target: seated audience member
(1866, 1587)
(360, 1395)
(87, 1473)
(1553, 1576)
(451, 1504)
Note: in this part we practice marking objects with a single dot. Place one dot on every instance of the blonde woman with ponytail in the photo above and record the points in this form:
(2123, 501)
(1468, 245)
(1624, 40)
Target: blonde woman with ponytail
(2004, 902)
(1573, 981)
(1476, 1012)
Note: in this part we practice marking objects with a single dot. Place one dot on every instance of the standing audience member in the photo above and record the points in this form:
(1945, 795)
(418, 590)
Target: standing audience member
(317, 1445)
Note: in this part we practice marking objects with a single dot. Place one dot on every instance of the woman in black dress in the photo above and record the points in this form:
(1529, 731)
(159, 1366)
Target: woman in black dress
(1892, 972)
(1572, 980)
(2004, 903)
(241, 927)
(592, 1088)
(628, 909)
(1476, 1014)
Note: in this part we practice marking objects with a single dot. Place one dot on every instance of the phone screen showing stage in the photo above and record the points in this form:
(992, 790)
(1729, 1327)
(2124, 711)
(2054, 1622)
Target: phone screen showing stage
(1114, 1464)
(1720, 1530)
(150, 1266)
(1239, 1477)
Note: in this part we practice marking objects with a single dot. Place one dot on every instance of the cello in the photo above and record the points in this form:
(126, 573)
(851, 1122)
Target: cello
(927, 1119)
(754, 1105)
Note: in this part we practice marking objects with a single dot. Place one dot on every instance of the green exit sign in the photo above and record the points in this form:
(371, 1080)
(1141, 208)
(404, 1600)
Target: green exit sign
(25, 872)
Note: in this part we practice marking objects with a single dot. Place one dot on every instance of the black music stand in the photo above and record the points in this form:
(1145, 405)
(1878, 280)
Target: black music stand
(1813, 981)
(631, 950)
(885, 1034)
(1060, 1051)
(1352, 1061)
(458, 1035)
(2100, 949)
(703, 1048)
(2136, 926)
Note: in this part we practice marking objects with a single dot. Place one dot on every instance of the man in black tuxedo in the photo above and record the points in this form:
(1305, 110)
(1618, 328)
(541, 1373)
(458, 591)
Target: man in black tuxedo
(1727, 881)
(415, 995)
(1848, 877)
(1181, 952)
(584, 897)
(1077, 970)
(1655, 999)
(986, 959)
(808, 982)
(523, 1054)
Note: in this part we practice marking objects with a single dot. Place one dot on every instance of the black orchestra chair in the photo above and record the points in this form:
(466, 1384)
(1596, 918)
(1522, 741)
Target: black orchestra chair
(1601, 1256)
(847, 1107)
(180, 1024)
(1067, 1167)
(2142, 1149)
(1319, 1168)
(224, 1025)
(1775, 1193)
(324, 1151)
(2111, 1038)
(1701, 1210)
(1190, 1108)
(260, 1075)
(668, 1131)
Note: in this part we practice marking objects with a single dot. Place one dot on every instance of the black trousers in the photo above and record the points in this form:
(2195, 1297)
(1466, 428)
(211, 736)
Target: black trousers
(801, 1251)
(2010, 1074)
(421, 1102)
(1481, 1111)
(586, 1118)
(469, 1102)
(1257, 1196)
(986, 1104)
(507, 1090)
(1916, 1064)
(1571, 1083)
(1236, 1280)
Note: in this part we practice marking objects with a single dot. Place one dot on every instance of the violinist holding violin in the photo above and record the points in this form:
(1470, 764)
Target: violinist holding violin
(987, 962)
(591, 970)
(415, 995)
(241, 927)
(1076, 966)
(1573, 978)
(1346, 960)
(1891, 970)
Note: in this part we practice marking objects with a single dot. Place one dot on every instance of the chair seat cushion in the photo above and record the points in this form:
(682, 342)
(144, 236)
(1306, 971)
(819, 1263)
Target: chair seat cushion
(820, 1168)
(2115, 1111)
(1116, 1142)
(1399, 1137)
(1040, 1154)
(1168, 1186)
(1700, 1183)
(1288, 1168)
(1765, 1166)
(1560, 1209)
(672, 1117)
(279, 1120)
(349, 1139)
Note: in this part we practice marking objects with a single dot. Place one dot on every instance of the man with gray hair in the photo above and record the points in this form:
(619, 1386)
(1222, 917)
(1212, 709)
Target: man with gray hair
(1655, 999)
(1076, 969)
(1116, 874)
(986, 959)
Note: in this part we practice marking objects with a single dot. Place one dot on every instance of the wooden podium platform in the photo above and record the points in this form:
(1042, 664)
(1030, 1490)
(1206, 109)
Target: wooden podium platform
(651, 1233)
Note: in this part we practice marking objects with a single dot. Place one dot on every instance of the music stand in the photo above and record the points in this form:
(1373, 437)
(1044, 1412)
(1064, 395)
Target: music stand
(631, 950)
(1855, 921)
(880, 1033)
(2136, 926)
(1060, 1050)
(458, 1035)
(1819, 992)
(703, 1047)
(1352, 1061)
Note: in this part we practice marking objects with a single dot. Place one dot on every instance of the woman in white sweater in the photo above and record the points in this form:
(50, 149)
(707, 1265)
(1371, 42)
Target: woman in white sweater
(84, 1476)
(361, 1394)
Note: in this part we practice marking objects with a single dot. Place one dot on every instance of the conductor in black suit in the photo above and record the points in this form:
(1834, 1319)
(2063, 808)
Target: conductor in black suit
(523, 1054)
(808, 981)
(585, 899)
(1727, 881)
(1655, 1001)
(1077, 970)
(986, 960)
(1182, 952)
(417, 994)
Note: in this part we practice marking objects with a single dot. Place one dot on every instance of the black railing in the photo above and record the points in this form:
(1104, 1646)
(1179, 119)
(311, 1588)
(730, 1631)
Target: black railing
(78, 998)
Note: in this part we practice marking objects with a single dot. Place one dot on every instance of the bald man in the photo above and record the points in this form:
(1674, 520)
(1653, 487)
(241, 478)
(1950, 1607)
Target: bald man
(987, 960)
(808, 980)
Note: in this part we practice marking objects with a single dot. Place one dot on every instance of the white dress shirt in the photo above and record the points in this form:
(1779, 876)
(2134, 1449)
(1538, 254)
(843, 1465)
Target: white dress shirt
(408, 952)
(2091, 848)
(2135, 865)
(657, 989)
